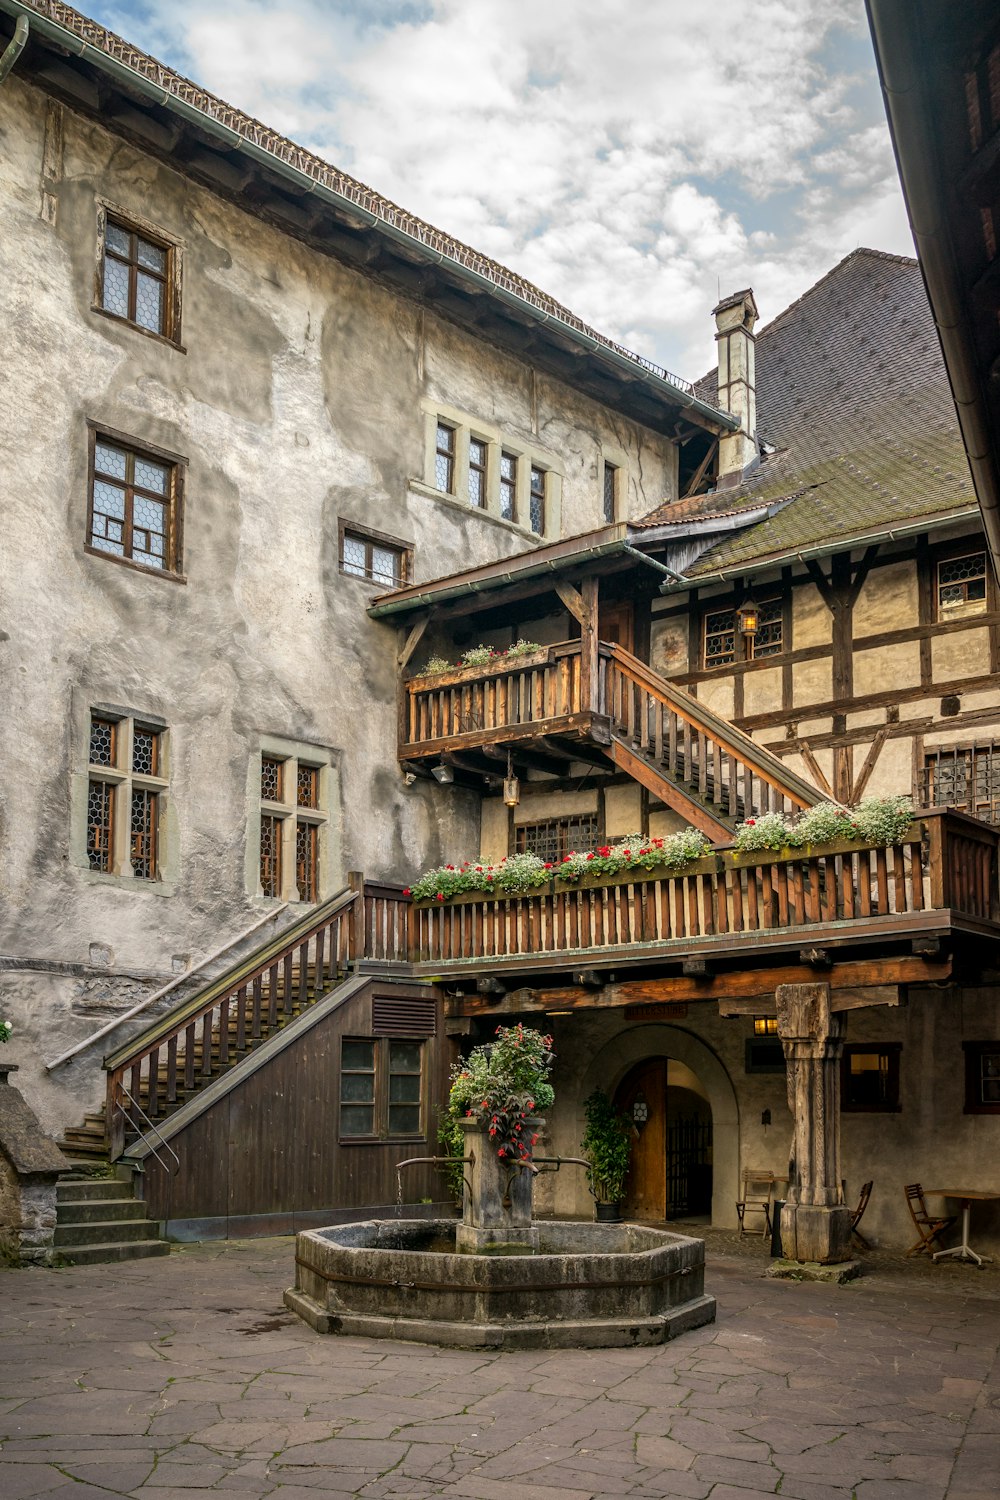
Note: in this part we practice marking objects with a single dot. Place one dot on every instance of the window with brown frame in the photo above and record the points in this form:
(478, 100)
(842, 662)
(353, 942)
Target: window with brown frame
(982, 1078)
(137, 277)
(478, 451)
(444, 459)
(508, 486)
(610, 492)
(381, 1088)
(291, 818)
(554, 838)
(378, 558)
(721, 637)
(869, 1078)
(537, 500)
(134, 505)
(965, 776)
(125, 792)
(961, 586)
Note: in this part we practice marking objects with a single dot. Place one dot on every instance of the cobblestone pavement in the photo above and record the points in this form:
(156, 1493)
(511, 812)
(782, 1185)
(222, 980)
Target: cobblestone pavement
(165, 1377)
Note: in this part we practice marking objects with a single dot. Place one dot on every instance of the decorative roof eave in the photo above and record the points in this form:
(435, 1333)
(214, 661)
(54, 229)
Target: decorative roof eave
(355, 203)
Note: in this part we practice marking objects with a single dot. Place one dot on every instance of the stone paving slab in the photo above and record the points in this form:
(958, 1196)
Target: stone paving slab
(170, 1378)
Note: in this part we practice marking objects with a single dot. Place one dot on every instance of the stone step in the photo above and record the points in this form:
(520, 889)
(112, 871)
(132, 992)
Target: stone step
(115, 1232)
(99, 1210)
(93, 1190)
(90, 1255)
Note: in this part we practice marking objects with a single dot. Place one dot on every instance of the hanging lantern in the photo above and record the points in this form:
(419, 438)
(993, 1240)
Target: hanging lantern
(511, 785)
(748, 618)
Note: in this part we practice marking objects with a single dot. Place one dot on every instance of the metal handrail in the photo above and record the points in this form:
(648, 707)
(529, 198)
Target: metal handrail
(150, 1126)
(165, 989)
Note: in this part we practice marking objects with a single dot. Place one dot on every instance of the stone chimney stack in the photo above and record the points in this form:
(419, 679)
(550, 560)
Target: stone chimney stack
(735, 317)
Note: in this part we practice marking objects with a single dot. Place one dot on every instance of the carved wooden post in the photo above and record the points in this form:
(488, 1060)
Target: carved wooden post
(815, 1224)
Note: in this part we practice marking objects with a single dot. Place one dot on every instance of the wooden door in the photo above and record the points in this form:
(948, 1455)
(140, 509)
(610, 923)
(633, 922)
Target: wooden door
(616, 624)
(644, 1093)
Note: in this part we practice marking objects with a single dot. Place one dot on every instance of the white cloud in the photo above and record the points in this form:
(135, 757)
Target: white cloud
(629, 156)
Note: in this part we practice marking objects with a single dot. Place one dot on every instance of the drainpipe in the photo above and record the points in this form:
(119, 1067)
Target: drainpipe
(670, 576)
(14, 47)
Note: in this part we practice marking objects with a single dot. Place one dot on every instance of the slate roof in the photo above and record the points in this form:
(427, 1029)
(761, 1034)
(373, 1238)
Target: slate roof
(852, 390)
(247, 128)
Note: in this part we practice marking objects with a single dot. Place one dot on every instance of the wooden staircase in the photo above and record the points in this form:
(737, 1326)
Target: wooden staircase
(694, 760)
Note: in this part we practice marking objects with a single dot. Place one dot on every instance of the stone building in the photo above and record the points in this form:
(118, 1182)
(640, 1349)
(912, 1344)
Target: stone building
(272, 444)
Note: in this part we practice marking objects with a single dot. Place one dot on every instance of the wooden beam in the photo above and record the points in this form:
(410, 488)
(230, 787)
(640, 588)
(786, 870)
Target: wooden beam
(648, 776)
(699, 472)
(816, 958)
(413, 640)
(841, 999)
(815, 769)
(869, 764)
(573, 600)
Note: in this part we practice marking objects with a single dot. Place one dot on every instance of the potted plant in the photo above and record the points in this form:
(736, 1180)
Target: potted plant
(607, 1146)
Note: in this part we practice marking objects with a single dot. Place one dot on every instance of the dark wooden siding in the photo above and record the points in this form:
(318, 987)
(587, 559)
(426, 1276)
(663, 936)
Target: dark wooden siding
(268, 1151)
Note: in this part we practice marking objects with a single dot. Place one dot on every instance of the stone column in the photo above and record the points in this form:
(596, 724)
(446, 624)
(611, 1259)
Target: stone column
(497, 1198)
(815, 1224)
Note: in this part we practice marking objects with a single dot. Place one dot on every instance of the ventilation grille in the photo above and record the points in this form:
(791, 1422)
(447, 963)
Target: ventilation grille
(403, 1015)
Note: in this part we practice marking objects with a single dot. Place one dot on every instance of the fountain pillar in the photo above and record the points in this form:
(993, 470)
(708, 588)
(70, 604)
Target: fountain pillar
(496, 1199)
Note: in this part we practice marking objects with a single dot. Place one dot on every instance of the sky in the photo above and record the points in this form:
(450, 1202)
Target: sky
(633, 158)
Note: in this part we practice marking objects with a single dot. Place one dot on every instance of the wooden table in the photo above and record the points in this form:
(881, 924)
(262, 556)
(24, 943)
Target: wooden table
(965, 1196)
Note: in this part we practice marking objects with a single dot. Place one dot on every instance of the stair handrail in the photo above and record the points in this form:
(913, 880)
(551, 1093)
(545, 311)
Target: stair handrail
(255, 963)
(165, 989)
(150, 1127)
(767, 765)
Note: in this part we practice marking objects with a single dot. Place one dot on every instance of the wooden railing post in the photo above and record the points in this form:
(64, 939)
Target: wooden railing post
(937, 861)
(356, 883)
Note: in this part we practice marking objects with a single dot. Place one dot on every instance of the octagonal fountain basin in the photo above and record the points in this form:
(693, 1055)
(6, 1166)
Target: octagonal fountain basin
(581, 1285)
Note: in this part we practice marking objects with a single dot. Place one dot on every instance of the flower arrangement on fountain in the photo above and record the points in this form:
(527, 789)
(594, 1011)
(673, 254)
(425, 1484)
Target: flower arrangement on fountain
(519, 874)
(876, 820)
(504, 1086)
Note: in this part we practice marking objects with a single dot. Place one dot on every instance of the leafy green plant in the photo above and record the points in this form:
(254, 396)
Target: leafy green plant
(607, 1146)
(522, 648)
(503, 1085)
(452, 1142)
(876, 820)
(6, 1031)
(437, 664)
(480, 656)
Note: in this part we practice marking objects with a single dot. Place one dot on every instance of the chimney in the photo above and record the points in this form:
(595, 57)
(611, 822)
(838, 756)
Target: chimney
(735, 317)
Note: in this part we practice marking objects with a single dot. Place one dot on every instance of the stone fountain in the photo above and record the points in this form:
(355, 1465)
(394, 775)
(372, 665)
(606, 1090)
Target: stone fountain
(497, 1279)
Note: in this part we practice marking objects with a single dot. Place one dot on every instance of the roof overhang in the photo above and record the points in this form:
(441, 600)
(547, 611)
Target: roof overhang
(920, 47)
(409, 256)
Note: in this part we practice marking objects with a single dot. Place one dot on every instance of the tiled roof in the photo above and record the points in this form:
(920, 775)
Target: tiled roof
(852, 390)
(249, 129)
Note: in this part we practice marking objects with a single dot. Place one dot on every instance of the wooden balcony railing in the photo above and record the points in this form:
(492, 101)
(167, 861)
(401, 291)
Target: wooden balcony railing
(944, 861)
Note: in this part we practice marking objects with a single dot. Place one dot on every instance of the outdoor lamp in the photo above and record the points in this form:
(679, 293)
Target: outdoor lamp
(748, 618)
(511, 785)
(444, 774)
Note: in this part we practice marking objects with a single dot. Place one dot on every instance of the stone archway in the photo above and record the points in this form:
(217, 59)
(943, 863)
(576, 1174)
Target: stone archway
(612, 1062)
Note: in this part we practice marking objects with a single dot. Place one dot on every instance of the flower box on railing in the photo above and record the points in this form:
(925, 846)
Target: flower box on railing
(741, 859)
(501, 666)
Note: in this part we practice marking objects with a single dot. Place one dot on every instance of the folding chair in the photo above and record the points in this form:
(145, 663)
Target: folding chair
(859, 1213)
(757, 1190)
(929, 1228)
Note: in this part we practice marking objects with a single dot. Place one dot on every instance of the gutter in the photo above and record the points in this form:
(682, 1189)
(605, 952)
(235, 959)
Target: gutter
(14, 47)
(307, 185)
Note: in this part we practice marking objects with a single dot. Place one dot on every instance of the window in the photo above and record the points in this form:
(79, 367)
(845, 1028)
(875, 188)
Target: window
(126, 786)
(137, 278)
(378, 558)
(292, 818)
(381, 1087)
(610, 492)
(763, 1054)
(134, 505)
(869, 1080)
(722, 638)
(477, 473)
(444, 460)
(964, 776)
(508, 486)
(961, 586)
(982, 1078)
(537, 501)
(557, 837)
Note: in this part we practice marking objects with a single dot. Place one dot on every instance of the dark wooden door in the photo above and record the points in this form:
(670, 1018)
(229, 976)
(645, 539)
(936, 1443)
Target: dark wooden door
(616, 624)
(643, 1093)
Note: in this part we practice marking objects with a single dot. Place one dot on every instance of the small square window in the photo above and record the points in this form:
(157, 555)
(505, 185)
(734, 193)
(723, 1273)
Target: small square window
(869, 1080)
(136, 281)
(961, 586)
(380, 559)
(134, 505)
(381, 1088)
(982, 1078)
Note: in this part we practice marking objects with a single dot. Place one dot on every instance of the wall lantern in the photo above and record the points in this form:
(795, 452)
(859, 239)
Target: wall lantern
(748, 618)
(511, 785)
(443, 774)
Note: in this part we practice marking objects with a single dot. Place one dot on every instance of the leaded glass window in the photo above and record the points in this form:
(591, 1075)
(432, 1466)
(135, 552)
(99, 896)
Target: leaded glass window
(143, 831)
(271, 778)
(132, 502)
(135, 278)
(444, 459)
(554, 838)
(270, 855)
(610, 484)
(964, 776)
(292, 819)
(125, 796)
(477, 473)
(508, 486)
(100, 826)
(306, 844)
(145, 751)
(537, 500)
(721, 635)
(307, 786)
(961, 586)
(720, 638)
(103, 741)
(371, 555)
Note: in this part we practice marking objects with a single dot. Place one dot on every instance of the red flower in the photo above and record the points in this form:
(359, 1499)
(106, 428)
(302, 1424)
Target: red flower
(439, 896)
(590, 856)
(406, 890)
(628, 853)
(548, 864)
(751, 822)
(604, 850)
(566, 858)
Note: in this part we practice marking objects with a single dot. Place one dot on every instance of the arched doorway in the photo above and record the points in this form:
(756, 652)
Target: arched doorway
(671, 1172)
(633, 1045)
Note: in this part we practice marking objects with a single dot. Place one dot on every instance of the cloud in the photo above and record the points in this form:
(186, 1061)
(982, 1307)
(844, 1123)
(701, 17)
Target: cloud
(632, 157)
